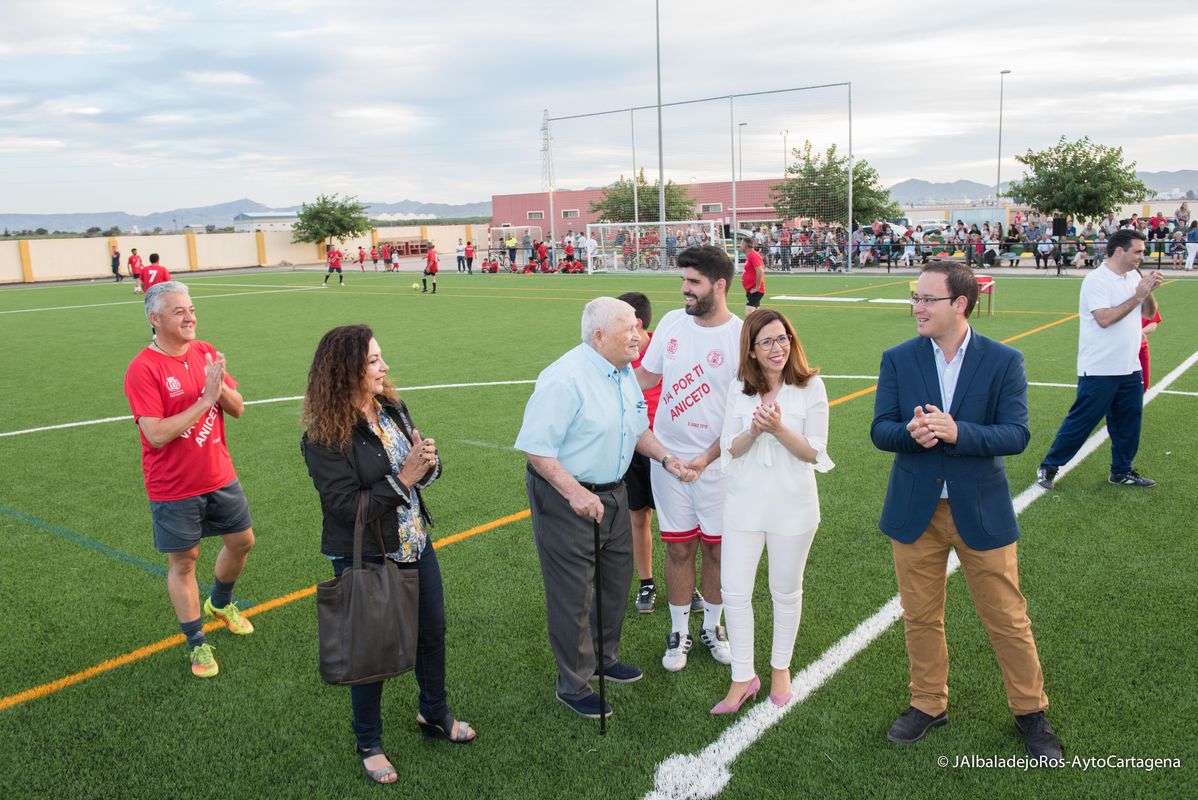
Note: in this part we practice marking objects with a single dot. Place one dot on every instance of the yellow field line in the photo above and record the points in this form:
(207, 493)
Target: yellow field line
(1061, 321)
(862, 288)
(46, 689)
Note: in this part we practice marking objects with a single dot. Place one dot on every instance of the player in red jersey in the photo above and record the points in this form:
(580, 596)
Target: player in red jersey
(374, 256)
(179, 391)
(362, 257)
(430, 268)
(754, 277)
(469, 258)
(334, 259)
(135, 270)
(154, 274)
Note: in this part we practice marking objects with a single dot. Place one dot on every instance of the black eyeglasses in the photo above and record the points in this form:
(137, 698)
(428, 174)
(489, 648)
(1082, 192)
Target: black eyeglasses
(921, 300)
(768, 344)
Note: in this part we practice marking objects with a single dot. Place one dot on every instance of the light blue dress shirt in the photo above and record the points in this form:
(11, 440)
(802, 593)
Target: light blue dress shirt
(587, 414)
(948, 374)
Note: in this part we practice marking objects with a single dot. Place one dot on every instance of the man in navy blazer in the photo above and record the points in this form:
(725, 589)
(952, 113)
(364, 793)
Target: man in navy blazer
(950, 405)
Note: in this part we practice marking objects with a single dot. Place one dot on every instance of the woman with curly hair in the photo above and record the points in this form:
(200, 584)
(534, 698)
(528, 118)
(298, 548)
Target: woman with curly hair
(359, 437)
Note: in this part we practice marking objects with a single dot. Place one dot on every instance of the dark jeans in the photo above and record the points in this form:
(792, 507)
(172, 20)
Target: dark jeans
(1120, 398)
(367, 699)
(461, 263)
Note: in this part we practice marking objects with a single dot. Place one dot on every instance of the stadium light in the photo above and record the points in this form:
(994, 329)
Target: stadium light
(998, 178)
(785, 152)
(740, 147)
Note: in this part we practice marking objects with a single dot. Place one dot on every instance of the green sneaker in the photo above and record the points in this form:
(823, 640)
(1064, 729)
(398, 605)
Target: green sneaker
(203, 664)
(230, 616)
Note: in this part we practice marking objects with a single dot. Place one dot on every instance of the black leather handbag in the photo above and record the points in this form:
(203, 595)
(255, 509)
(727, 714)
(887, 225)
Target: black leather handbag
(367, 616)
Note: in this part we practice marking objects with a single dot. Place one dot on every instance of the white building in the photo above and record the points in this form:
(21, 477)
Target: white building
(251, 221)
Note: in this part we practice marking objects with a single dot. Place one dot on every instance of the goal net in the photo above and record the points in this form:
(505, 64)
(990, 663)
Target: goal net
(648, 246)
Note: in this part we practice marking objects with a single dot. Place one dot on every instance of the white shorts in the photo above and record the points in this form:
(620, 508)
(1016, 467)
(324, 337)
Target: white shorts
(689, 511)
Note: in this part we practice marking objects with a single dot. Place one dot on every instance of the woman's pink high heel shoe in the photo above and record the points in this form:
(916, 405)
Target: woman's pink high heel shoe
(781, 700)
(724, 707)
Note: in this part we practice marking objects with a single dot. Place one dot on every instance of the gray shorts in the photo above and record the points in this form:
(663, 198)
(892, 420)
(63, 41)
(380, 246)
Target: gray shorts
(180, 524)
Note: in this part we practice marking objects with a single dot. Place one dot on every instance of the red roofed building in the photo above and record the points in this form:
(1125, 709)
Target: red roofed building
(572, 208)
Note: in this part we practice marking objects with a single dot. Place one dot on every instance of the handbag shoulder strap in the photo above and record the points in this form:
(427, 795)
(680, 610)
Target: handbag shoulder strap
(360, 529)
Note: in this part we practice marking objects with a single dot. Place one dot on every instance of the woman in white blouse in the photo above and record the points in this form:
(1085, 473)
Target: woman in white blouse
(774, 439)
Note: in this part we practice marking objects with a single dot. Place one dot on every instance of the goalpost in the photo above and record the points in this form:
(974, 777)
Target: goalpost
(632, 246)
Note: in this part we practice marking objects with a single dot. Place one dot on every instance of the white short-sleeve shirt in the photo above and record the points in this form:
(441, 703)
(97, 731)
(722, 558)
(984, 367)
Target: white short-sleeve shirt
(1114, 350)
(697, 365)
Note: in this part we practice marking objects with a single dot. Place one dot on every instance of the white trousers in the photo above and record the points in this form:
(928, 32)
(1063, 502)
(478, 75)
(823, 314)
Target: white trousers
(741, 553)
(1191, 251)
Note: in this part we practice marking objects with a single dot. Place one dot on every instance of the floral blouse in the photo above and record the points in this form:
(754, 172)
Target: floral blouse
(413, 538)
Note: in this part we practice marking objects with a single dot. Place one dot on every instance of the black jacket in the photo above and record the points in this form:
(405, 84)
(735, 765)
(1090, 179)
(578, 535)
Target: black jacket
(340, 477)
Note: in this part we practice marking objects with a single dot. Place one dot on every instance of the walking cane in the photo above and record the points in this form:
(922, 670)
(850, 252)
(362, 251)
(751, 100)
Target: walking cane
(599, 624)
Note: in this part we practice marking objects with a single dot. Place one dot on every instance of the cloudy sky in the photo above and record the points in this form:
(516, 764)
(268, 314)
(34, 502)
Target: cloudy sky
(145, 106)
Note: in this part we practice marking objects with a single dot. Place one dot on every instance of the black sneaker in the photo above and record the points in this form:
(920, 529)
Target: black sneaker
(1045, 477)
(587, 706)
(1038, 735)
(696, 602)
(646, 596)
(1132, 478)
(912, 725)
(619, 672)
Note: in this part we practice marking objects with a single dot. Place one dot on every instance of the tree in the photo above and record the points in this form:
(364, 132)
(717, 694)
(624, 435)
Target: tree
(329, 218)
(92, 231)
(157, 230)
(1189, 194)
(113, 231)
(817, 186)
(616, 203)
(41, 232)
(1082, 179)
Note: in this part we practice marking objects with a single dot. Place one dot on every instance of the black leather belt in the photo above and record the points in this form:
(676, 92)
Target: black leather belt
(590, 487)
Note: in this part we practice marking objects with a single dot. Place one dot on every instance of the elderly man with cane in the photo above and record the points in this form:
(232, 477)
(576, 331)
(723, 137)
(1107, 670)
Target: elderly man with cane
(585, 418)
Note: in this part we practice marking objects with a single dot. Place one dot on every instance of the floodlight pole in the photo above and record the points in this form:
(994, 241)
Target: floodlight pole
(732, 147)
(785, 153)
(636, 209)
(552, 218)
(740, 147)
(661, 161)
(849, 230)
(998, 177)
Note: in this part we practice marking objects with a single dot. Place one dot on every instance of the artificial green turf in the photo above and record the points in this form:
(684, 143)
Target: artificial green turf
(1109, 572)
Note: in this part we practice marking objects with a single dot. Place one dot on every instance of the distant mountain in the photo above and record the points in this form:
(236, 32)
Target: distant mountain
(917, 192)
(220, 215)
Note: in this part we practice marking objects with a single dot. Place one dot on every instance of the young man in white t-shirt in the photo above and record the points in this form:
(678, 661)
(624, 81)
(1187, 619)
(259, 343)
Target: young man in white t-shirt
(1113, 299)
(694, 353)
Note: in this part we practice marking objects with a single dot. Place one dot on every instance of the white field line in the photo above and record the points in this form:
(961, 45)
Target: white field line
(126, 418)
(291, 398)
(142, 302)
(820, 299)
(705, 774)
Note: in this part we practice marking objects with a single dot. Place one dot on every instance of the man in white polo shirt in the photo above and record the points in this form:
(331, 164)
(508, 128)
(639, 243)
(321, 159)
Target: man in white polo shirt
(1113, 299)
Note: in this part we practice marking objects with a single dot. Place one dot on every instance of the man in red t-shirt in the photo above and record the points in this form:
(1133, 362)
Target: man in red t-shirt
(469, 258)
(374, 256)
(430, 268)
(178, 389)
(135, 270)
(387, 257)
(334, 259)
(154, 274)
(754, 277)
(636, 479)
(362, 257)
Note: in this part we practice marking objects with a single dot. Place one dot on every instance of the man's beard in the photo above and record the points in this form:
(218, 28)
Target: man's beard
(702, 306)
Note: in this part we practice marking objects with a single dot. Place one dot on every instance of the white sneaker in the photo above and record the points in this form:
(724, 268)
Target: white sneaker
(716, 640)
(677, 646)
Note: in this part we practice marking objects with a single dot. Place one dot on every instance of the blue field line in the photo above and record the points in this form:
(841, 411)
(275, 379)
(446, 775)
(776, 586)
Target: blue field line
(99, 547)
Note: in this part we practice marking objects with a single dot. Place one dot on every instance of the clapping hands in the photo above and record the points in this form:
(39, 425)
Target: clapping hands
(930, 427)
(421, 458)
(767, 418)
